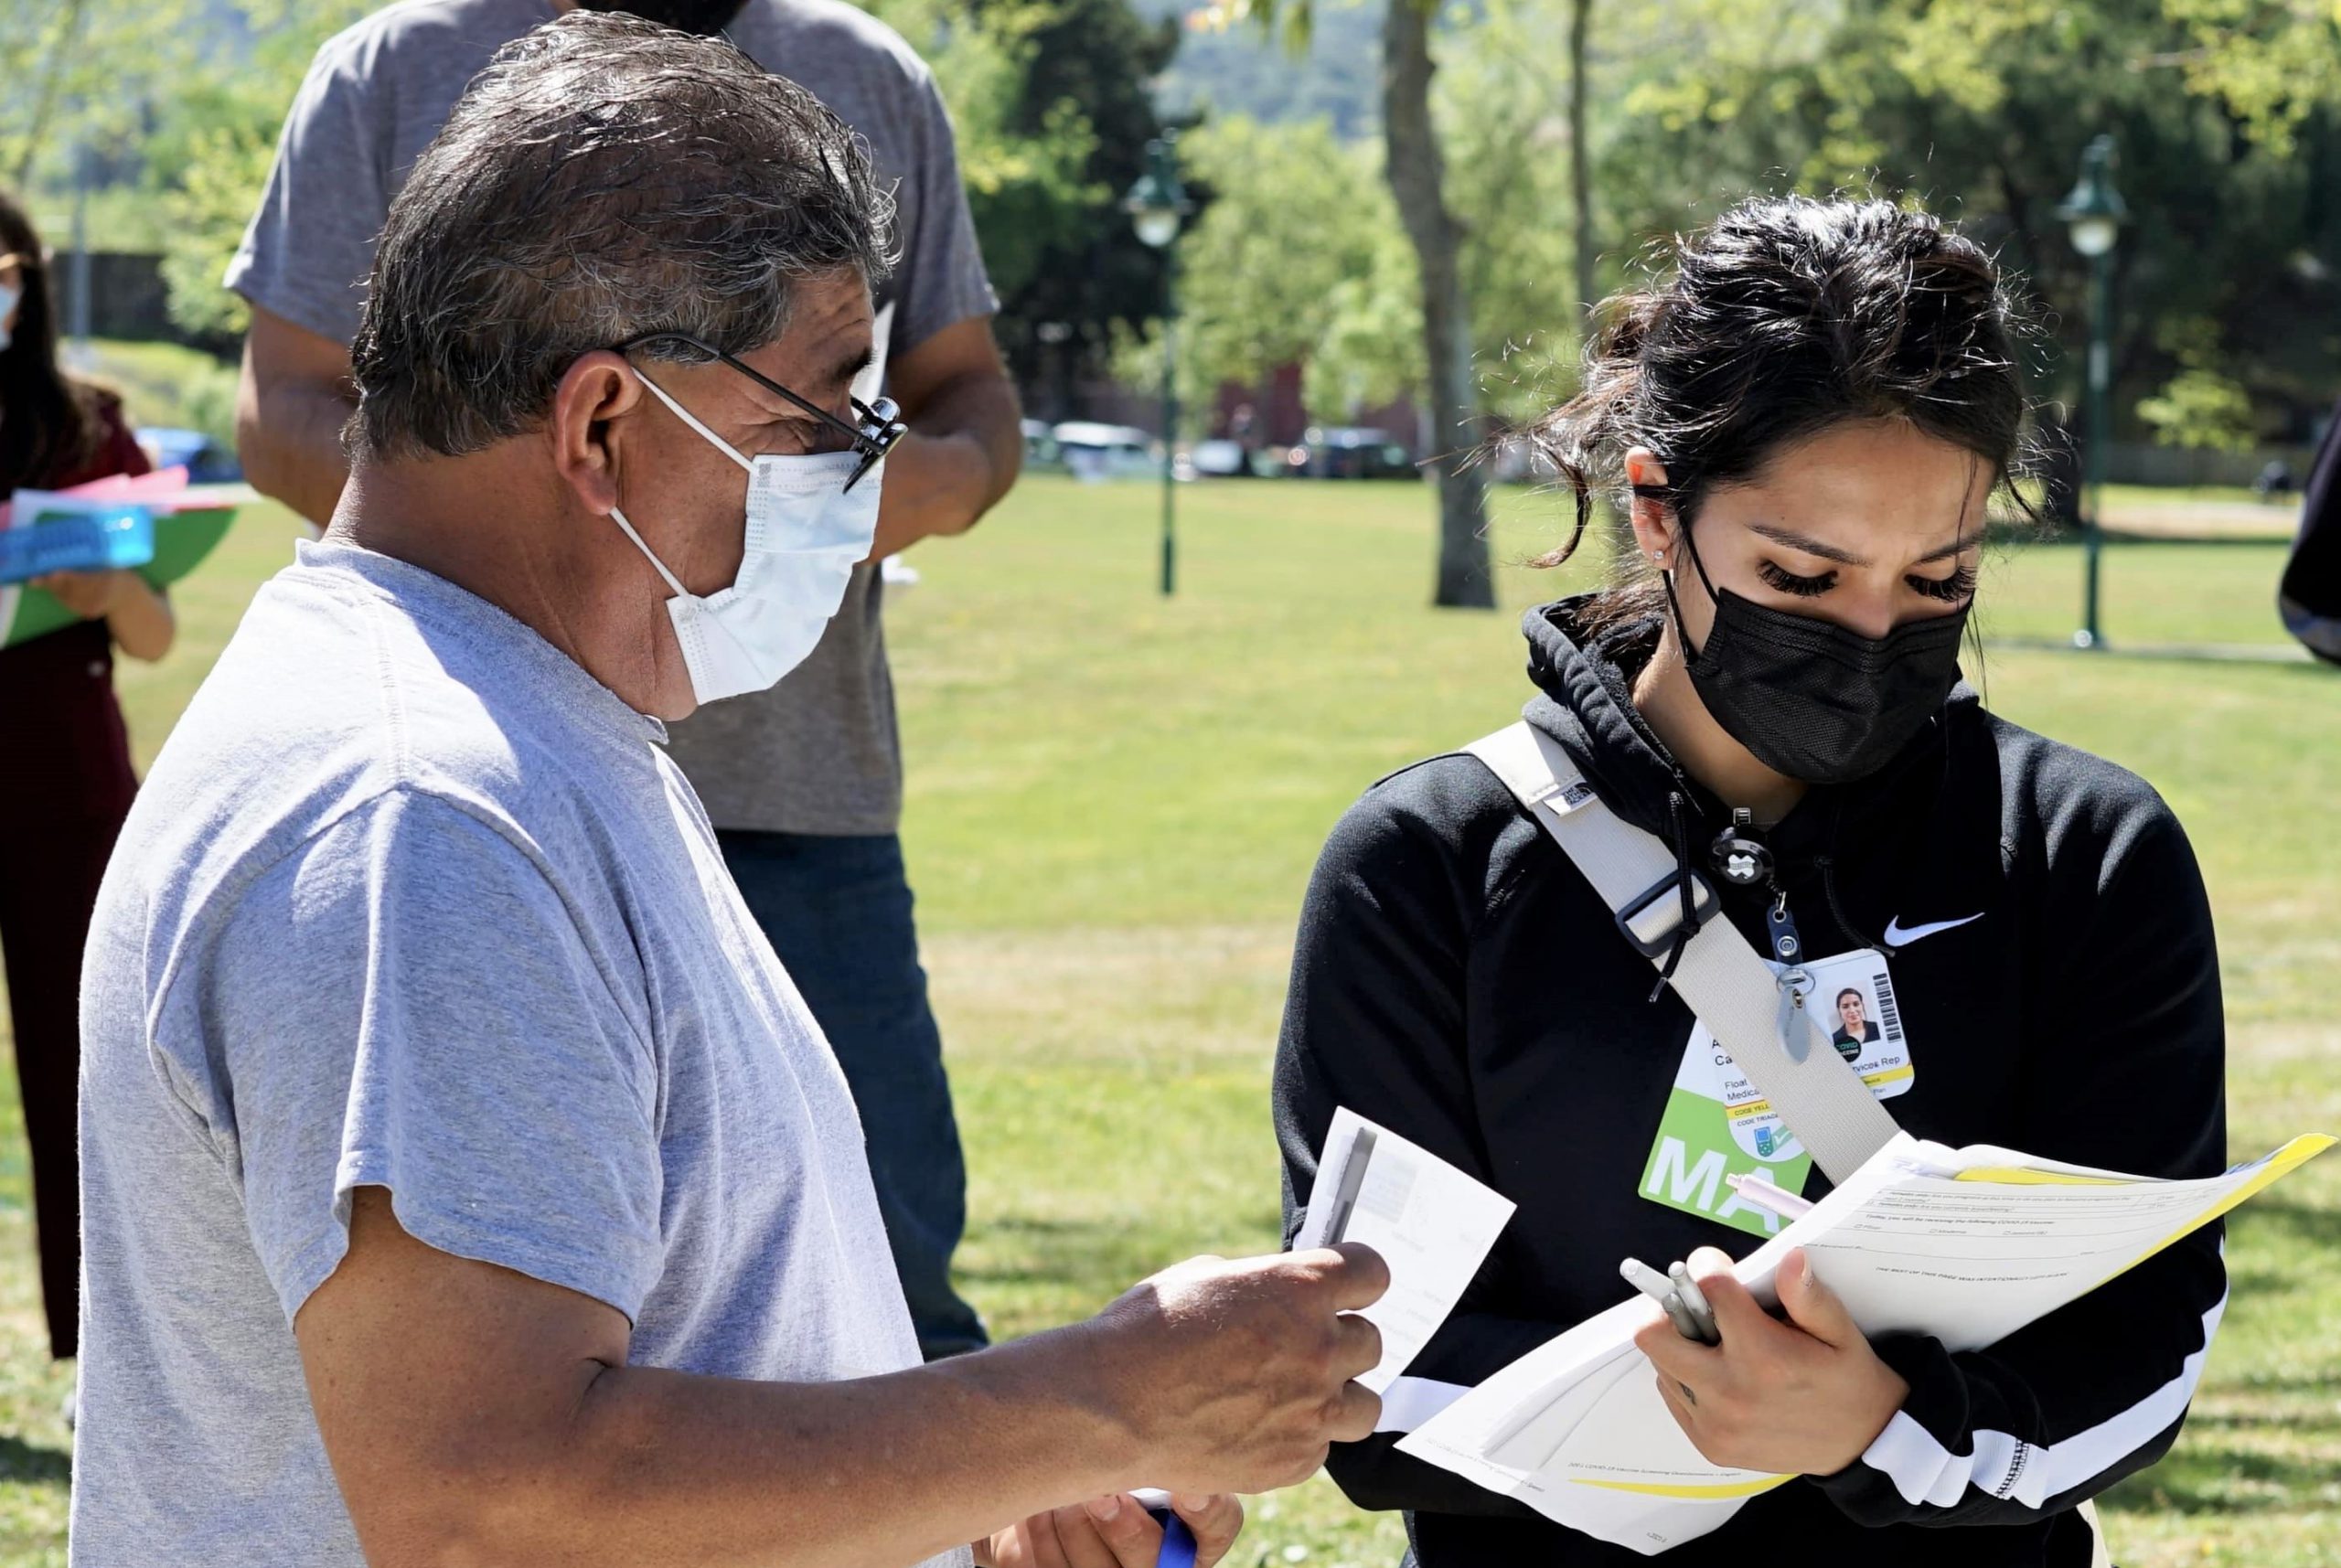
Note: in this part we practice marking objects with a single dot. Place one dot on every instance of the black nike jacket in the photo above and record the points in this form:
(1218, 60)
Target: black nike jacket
(1458, 981)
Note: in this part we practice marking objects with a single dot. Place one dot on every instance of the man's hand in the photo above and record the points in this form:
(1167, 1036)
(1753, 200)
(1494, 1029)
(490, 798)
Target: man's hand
(1235, 1377)
(1805, 1397)
(91, 595)
(1111, 1532)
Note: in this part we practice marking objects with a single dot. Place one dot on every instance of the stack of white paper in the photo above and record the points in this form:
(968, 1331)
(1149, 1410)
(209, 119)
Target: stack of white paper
(1967, 1245)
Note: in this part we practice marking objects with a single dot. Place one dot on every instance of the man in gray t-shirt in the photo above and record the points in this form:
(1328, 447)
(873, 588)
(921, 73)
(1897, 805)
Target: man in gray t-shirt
(463, 1177)
(803, 782)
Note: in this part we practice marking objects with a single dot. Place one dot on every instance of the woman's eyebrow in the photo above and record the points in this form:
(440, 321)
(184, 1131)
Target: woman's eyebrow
(1958, 546)
(1809, 545)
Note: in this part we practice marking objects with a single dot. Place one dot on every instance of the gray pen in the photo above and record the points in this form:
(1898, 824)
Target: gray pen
(1655, 1286)
(1695, 1300)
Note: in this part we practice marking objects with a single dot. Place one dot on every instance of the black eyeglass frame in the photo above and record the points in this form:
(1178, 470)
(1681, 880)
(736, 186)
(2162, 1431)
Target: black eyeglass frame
(881, 422)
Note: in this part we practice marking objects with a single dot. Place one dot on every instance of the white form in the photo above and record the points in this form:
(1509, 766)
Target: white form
(1968, 1245)
(1431, 1223)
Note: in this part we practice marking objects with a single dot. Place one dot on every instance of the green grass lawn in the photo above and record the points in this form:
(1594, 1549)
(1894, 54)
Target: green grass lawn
(1113, 803)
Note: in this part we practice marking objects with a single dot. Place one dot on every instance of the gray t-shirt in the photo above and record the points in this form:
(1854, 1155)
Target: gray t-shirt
(411, 901)
(819, 754)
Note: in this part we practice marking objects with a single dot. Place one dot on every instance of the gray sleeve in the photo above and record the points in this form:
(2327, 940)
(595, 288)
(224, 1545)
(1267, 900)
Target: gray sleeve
(407, 1003)
(309, 248)
(942, 279)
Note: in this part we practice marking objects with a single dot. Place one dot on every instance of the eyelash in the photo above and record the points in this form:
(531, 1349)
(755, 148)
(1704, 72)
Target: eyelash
(1948, 589)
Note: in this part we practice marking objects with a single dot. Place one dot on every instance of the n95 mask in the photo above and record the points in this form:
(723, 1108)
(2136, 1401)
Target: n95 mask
(805, 533)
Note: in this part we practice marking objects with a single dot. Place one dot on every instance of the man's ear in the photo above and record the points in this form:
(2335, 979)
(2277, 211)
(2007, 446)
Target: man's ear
(1653, 519)
(586, 429)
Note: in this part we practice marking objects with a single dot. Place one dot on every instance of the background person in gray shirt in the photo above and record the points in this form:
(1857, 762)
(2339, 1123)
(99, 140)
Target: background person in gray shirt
(465, 1180)
(802, 783)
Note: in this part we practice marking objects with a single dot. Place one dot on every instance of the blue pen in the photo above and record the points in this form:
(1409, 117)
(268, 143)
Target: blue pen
(1177, 1541)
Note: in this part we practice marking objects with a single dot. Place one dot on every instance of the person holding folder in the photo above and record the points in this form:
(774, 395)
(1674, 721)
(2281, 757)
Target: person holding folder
(65, 777)
(1802, 426)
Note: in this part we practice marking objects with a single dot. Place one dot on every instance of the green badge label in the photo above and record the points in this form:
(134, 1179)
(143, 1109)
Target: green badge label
(1718, 1125)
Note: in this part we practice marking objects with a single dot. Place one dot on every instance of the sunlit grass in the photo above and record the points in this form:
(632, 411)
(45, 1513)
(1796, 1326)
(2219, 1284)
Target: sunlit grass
(1113, 803)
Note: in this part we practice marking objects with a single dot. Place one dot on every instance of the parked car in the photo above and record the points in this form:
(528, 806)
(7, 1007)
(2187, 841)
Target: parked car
(1222, 459)
(1349, 452)
(1092, 450)
(206, 461)
(1041, 444)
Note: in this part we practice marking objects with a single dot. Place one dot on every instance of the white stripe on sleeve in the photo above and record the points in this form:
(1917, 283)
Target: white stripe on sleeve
(1925, 1472)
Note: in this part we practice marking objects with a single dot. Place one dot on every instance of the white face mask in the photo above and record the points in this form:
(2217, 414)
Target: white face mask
(805, 533)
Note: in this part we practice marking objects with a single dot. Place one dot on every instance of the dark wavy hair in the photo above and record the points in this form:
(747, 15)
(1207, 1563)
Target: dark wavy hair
(1783, 317)
(48, 420)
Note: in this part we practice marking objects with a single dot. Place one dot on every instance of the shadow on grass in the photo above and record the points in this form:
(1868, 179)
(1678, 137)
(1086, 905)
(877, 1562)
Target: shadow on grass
(2210, 1479)
(21, 1461)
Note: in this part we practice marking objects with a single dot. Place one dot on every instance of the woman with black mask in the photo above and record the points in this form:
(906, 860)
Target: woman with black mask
(1803, 426)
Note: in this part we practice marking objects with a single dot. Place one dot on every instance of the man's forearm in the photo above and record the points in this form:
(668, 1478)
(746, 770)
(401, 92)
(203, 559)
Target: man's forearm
(876, 1473)
(288, 435)
(965, 448)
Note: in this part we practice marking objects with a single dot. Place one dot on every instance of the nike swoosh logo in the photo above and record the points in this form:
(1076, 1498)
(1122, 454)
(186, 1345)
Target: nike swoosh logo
(1896, 937)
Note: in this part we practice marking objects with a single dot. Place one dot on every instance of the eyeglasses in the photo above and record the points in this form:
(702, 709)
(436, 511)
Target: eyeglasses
(878, 425)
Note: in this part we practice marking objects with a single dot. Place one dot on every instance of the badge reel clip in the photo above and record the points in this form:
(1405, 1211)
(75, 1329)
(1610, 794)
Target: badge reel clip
(1743, 860)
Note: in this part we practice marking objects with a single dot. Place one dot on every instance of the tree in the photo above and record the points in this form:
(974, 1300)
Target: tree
(1417, 170)
(1418, 176)
(81, 75)
(1298, 259)
(1094, 278)
(1979, 110)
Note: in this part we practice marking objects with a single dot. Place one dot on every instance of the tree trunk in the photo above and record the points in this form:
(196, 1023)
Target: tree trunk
(1416, 171)
(1580, 166)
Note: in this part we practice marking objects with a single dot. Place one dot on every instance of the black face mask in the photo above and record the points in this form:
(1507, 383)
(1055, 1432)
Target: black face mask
(700, 16)
(1809, 699)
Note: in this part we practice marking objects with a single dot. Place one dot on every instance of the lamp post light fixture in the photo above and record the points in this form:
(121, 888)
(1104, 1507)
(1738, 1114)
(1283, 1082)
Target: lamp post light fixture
(1159, 209)
(2094, 214)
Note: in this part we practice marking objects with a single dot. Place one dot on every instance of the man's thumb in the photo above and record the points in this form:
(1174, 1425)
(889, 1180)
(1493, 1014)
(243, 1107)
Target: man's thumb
(1812, 1306)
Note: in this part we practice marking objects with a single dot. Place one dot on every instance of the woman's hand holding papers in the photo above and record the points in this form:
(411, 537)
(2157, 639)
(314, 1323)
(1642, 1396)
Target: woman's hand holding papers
(1801, 1397)
(1112, 1532)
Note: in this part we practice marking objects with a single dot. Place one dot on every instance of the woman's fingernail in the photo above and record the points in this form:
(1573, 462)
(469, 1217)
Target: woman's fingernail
(1105, 1511)
(1190, 1504)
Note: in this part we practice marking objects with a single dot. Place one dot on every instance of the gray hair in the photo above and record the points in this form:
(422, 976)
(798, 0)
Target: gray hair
(602, 178)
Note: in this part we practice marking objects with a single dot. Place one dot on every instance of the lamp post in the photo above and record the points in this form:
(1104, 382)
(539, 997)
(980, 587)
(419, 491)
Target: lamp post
(2094, 214)
(1158, 207)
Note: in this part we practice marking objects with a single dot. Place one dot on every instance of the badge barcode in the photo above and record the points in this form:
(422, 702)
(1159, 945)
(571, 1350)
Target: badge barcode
(1389, 1182)
(1888, 1015)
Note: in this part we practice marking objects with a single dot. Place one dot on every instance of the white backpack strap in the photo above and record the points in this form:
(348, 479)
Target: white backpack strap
(1721, 977)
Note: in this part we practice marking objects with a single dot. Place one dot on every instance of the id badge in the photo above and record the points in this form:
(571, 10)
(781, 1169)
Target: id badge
(1717, 1125)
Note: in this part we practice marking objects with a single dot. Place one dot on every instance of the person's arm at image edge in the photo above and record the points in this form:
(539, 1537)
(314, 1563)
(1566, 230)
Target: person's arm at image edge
(472, 1413)
(292, 398)
(964, 445)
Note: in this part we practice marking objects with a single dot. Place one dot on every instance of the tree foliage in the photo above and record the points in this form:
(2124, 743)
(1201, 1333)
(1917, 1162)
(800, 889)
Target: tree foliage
(1979, 109)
